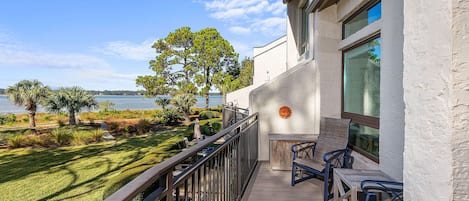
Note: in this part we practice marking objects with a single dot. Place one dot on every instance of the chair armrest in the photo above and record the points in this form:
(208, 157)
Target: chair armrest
(329, 156)
(388, 186)
(303, 149)
(301, 146)
(340, 158)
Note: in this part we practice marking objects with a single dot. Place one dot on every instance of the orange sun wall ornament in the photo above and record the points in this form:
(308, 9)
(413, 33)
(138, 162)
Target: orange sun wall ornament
(284, 112)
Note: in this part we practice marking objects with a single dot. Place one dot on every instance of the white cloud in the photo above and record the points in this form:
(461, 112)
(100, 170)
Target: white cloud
(13, 55)
(274, 26)
(244, 49)
(246, 16)
(240, 30)
(128, 50)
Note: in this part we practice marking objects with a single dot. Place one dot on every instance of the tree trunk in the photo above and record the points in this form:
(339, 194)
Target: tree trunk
(223, 99)
(32, 119)
(71, 118)
(206, 101)
(186, 117)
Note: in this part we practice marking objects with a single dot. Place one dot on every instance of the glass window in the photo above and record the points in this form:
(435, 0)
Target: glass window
(361, 79)
(362, 19)
(365, 138)
(304, 31)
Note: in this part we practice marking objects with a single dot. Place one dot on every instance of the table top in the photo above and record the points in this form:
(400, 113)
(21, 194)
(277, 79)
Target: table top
(354, 177)
(305, 137)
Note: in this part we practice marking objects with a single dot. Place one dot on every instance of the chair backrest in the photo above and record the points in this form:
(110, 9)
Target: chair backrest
(333, 135)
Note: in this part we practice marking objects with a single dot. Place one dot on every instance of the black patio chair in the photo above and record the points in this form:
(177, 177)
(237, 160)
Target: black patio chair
(313, 159)
(388, 189)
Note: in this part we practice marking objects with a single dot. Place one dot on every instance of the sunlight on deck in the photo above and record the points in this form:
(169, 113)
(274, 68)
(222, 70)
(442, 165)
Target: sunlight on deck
(275, 185)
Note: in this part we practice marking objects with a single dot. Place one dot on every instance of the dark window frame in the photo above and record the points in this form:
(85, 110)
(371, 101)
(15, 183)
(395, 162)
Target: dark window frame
(367, 6)
(369, 121)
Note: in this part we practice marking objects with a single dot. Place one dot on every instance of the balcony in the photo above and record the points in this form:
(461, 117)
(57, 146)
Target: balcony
(231, 171)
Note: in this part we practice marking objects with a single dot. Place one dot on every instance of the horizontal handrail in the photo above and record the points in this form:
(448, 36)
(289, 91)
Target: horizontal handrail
(165, 168)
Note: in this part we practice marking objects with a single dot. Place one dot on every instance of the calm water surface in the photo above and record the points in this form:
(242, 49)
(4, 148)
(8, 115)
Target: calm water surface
(121, 103)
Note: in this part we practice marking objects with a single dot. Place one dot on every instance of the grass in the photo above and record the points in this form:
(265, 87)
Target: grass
(77, 172)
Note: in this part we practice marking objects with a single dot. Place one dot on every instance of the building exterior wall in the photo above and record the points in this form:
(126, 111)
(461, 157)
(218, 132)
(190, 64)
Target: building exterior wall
(240, 97)
(292, 32)
(270, 61)
(460, 99)
(391, 139)
(329, 58)
(295, 89)
(435, 106)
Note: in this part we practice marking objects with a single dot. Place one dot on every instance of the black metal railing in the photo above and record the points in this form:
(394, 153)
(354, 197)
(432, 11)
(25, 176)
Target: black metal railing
(233, 114)
(221, 174)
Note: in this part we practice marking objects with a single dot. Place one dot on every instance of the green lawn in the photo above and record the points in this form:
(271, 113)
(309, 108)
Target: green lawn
(80, 172)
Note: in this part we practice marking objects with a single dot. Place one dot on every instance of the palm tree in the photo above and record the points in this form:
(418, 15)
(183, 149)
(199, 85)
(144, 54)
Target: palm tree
(183, 103)
(28, 93)
(163, 102)
(71, 99)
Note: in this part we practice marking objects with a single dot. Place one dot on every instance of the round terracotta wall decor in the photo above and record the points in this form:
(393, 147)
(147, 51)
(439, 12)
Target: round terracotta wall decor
(284, 112)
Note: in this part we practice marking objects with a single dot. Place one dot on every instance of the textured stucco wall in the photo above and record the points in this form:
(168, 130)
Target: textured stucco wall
(295, 89)
(391, 137)
(329, 61)
(460, 99)
(270, 61)
(427, 86)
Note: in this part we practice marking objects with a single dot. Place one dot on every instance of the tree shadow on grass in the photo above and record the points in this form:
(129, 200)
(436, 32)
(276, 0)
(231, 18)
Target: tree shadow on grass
(17, 166)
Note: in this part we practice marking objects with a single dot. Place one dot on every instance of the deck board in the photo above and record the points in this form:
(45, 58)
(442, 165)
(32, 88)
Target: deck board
(268, 185)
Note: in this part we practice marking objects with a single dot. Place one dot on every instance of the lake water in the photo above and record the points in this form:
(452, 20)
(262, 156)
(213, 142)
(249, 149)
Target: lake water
(121, 103)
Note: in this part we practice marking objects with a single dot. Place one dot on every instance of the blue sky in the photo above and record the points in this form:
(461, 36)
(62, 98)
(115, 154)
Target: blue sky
(105, 44)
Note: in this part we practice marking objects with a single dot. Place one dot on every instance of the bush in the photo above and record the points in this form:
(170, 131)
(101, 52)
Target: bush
(143, 126)
(169, 117)
(208, 115)
(16, 141)
(86, 137)
(7, 119)
(217, 126)
(62, 136)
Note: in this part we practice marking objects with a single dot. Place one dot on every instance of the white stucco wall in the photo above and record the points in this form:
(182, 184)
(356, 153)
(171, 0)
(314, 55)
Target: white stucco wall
(391, 137)
(292, 31)
(296, 89)
(329, 61)
(428, 82)
(240, 98)
(270, 60)
(460, 99)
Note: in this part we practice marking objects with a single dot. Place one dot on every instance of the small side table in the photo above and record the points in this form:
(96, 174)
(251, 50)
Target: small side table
(352, 178)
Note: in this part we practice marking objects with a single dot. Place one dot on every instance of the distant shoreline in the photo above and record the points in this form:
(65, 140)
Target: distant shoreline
(122, 102)
(117, 93)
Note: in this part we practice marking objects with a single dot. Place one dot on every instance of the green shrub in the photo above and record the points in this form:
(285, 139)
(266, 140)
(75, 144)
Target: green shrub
(16, 141)
(209, 114)
(143, 126)
(62, 136)
(170, 117)
(46, 117)
(60, 123)
(189, 132)
(217, 126)
(7, 119)
(87, 136)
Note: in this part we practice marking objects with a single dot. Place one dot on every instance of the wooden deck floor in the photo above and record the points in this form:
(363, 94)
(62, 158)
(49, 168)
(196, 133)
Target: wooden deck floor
(271, 185)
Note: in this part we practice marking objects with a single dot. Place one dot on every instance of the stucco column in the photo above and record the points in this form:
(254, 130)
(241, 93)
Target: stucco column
(436, 85)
